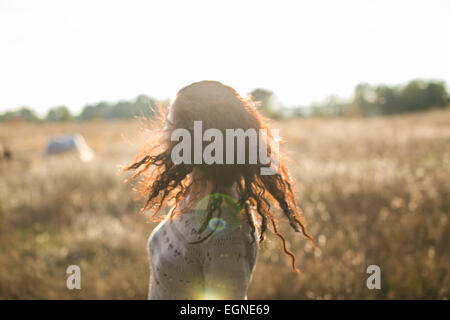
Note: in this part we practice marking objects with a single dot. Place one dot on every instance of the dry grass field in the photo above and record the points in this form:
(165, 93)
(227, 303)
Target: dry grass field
(374, 191)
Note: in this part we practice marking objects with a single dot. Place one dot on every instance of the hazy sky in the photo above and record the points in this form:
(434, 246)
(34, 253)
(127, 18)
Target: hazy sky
(79, 52)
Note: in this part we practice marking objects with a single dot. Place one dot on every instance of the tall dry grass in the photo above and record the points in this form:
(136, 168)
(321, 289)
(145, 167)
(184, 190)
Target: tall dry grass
(374, 191)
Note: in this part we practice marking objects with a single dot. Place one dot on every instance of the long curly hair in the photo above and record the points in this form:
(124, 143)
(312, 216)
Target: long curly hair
(164, 182)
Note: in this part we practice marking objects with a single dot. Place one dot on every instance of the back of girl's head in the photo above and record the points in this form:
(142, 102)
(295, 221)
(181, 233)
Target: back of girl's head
(219, 107)
(216, 105)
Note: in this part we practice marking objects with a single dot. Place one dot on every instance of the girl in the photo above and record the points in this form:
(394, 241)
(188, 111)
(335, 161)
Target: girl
(206, 247)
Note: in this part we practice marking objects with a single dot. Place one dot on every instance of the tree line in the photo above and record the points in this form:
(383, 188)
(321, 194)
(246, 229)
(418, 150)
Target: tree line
(367, 100)
(141, 106)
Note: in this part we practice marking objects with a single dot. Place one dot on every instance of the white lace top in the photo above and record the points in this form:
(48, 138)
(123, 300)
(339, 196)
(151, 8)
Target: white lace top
(220, 267)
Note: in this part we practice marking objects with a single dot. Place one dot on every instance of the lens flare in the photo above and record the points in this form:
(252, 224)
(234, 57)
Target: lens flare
(217, 224)
(223, 221)
(209, 294)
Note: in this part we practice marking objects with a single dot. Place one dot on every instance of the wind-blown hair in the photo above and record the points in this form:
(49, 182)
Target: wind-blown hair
(221, 107)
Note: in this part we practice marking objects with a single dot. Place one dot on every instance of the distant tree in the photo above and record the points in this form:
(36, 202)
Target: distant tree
(416, 95)
(419, 95)
(436, 94)
(7, 115)
(387, 100)
(363, 101)
(367, 100)
(28, 114)
(97, 111)
(412, 97)
(268, 102)
(59, 114)
(141, 106)
(144, 106)
(334, 106)
(264, 97)
(23, 113)
(300, 111)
